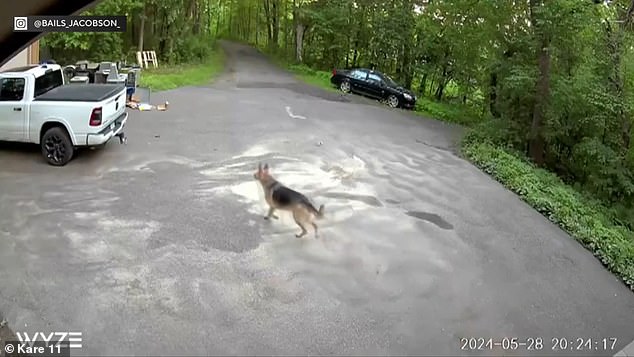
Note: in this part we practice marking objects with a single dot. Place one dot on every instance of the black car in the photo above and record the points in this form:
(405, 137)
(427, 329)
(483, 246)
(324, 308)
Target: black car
(373, 84)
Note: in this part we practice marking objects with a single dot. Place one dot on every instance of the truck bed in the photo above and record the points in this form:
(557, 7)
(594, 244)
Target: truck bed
(81, 93)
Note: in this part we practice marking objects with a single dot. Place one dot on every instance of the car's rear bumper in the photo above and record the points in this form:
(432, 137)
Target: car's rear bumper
(107, 133)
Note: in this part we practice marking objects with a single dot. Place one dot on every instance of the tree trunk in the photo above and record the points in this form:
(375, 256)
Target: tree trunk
(152, 27)
(440, 91)
(626, 121)
(406, 67)
(536, 143)
(267, 14)
(218, 20)
(493, 94)
(423, 84)
(276, 24)
(309, 39)
(348, 42)
(299, 50)
(357, 37)
(441, 84)
(248, 25)
(230, 24)
(141, 29)
(286, 36)
(356, 54)
(163, 34)
(207, 18)
(295, 22)
(194, 15)
(257, 28)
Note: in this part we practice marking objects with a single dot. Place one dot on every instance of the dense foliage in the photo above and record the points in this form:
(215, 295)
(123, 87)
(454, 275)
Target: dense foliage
(178, 30)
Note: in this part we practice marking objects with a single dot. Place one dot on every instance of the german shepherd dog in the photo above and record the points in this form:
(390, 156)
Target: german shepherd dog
(281, 197)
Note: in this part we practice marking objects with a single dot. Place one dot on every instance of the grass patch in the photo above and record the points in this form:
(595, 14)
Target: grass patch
(448, 112)
(311, 76)
(193, 74)
(585, 219)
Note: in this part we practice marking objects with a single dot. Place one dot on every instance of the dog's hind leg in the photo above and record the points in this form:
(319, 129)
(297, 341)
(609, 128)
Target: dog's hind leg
(316, 229)
(303, 232)
(297, 218)
(271, 214)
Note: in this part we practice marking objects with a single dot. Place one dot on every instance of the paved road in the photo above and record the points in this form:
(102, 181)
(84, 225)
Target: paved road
(159, 247)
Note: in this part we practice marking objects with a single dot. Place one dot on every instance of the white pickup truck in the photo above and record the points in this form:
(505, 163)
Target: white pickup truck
(37, 107)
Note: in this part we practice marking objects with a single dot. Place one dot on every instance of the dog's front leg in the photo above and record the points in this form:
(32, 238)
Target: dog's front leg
(271, 214)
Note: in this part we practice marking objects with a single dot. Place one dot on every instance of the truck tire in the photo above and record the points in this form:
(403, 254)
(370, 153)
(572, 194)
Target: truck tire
(57, 148)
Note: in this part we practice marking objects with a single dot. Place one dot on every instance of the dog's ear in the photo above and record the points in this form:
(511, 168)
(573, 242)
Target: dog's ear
(260, 167)
(266, 167)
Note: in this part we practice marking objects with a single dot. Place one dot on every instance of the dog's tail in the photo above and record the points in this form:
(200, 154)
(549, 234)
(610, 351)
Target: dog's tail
(319, 213)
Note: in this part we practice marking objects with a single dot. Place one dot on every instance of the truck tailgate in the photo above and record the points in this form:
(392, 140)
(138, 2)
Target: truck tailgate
(113, 107)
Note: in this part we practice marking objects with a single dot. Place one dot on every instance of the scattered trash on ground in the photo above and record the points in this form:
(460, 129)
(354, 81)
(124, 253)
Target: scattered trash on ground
(134, 103)
(162, 107)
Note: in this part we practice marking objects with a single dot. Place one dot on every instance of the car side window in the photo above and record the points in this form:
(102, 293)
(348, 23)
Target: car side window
(374, 79)
(359, 74)
(11, 89)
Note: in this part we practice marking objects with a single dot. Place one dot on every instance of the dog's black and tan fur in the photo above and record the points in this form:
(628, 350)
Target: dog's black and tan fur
(281, 197)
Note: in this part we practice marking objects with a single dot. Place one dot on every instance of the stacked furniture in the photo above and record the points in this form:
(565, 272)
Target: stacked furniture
(82, 73)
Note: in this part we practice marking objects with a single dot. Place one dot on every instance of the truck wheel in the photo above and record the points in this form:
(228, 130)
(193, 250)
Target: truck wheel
(57, 147)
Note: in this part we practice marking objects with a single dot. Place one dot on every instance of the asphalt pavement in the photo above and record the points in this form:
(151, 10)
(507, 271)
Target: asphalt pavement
(159, 246)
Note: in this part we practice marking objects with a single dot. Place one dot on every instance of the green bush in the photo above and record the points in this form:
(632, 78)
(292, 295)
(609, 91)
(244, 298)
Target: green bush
(453, 113)
(584, 218)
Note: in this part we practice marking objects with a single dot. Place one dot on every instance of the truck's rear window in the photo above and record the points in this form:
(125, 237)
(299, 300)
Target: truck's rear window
(47, 82)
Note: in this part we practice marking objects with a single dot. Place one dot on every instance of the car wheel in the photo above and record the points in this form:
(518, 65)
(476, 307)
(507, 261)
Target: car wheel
(345, 86)
(57, 148)
(392, 101)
